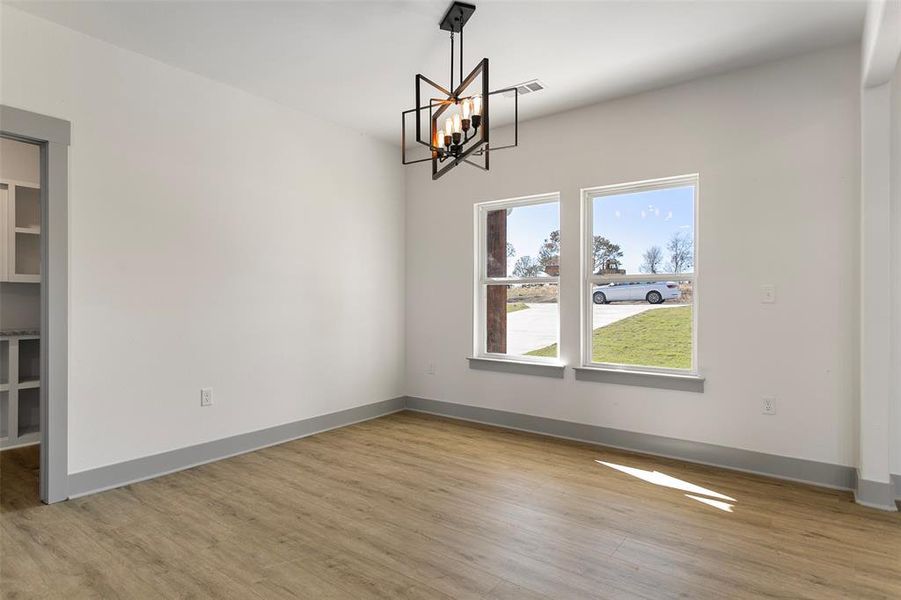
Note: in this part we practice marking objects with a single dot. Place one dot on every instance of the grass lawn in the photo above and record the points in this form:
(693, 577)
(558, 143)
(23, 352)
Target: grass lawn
(656, 338)
(516, 306)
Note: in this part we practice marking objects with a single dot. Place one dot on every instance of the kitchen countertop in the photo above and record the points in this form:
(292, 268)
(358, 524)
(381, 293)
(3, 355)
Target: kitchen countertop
(10, 333)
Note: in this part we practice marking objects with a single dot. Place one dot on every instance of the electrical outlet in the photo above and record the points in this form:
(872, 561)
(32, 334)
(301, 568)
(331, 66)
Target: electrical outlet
(206, 396)
(430, 370)
(768, 293)
(769, 405)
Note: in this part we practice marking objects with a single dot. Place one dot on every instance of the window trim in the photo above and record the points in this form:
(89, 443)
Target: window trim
(589, 279)
(481, 280)
(683, 382)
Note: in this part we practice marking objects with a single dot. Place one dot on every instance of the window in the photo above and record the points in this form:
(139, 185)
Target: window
(517, 299)
(640, 277)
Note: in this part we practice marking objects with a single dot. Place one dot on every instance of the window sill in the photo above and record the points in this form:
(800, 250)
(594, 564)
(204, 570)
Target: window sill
(666, 381)
(519, 367)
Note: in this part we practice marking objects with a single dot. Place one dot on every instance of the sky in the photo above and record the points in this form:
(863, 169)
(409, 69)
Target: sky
(528, 227)
(635, 221)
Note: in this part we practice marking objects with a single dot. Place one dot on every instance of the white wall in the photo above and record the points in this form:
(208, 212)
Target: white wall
(216, 239)
(896, 266)
(880, 347)
(777, 148)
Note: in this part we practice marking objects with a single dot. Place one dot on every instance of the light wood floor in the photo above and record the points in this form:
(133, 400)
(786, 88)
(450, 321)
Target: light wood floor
(412, 506)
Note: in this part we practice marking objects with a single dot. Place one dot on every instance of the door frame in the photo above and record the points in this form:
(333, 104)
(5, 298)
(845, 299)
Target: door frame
(53, 137)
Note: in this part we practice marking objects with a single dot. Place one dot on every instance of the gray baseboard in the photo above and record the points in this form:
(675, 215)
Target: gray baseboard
(877, 494)
(139, 469)
(771, 465)
(869, 493)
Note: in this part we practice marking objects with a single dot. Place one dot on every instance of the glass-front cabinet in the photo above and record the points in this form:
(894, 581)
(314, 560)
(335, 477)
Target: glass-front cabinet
(20, 231)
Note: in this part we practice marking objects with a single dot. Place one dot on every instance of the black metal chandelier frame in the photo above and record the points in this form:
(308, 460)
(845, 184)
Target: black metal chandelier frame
(466, 134)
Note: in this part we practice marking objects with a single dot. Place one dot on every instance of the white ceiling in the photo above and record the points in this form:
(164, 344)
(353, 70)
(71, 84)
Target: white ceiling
(354, 62)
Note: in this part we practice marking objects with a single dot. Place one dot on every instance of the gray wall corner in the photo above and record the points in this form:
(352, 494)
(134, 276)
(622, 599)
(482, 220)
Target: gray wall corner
(877, 494)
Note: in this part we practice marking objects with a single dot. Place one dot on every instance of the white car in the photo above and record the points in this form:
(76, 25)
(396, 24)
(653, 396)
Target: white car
(653, 293)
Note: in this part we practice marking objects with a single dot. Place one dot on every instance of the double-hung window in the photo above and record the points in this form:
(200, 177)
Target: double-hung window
(517, 279)
(639, 276)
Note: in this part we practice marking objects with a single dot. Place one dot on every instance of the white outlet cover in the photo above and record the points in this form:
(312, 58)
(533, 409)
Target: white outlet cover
(768, 293)
(769, 405)
(206, 396)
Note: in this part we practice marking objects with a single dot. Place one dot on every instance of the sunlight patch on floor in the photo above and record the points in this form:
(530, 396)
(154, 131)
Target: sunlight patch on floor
(725, 506)
(722, 501)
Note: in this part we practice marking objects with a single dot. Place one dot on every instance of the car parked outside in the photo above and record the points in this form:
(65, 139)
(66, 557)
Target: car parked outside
(653, 293)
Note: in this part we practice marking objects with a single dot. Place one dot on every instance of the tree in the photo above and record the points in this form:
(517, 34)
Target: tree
(605, 252)
(511, 251)
(653, 260)
(549, 253)
(681, 256)
(526, 267)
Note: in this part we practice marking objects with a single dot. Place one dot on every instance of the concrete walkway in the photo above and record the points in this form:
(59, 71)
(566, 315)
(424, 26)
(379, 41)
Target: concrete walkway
(536, 326)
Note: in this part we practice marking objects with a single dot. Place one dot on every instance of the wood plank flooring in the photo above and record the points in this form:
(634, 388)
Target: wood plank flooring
(414, 506)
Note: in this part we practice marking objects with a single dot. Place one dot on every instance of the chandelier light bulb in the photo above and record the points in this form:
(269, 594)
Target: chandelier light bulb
(448, 126)
(467, 108)
(458, 124)
(477, 105)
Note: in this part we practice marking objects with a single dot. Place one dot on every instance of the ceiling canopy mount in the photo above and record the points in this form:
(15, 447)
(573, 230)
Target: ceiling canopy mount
(456, 17)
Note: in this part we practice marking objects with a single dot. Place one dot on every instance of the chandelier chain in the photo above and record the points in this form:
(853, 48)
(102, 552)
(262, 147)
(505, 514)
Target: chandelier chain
(461, 57)
(452, 62)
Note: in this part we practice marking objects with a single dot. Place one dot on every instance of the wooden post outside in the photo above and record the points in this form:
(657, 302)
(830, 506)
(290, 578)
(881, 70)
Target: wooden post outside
(496, 325)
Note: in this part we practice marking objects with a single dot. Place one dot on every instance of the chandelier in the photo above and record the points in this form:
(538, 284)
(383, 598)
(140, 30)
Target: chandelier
(457, 119)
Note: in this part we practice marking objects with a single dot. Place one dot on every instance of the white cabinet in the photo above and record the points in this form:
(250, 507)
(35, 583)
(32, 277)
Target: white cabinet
(20, 231)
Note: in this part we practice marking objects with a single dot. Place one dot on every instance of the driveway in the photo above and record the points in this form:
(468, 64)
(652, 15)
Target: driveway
(536, 327)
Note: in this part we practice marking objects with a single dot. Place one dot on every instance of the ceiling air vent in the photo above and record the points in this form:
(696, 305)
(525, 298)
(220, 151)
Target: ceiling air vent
(526, 87)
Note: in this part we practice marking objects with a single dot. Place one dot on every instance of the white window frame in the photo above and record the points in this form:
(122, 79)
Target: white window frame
(589, 279)
(482, 281)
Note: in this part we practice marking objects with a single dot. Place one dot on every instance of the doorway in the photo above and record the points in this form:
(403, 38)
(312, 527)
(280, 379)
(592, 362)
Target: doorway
(20, 320)
(34, 298)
